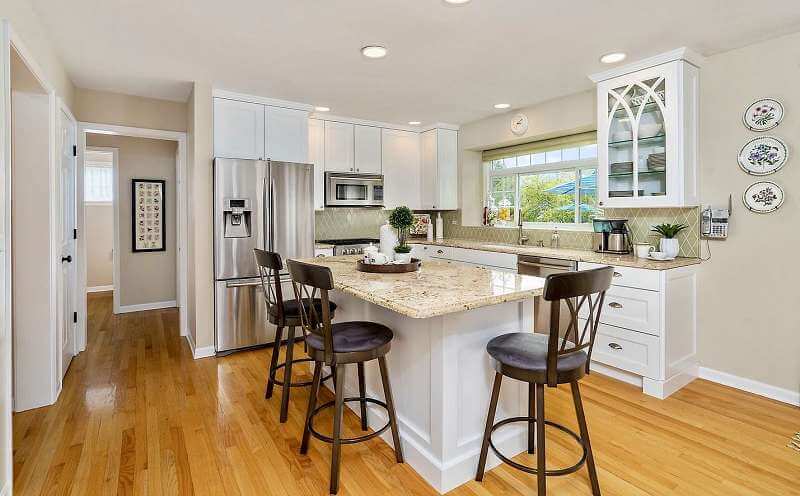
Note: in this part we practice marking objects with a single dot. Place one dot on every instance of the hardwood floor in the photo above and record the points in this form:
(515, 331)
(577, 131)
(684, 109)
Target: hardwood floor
(138, 416)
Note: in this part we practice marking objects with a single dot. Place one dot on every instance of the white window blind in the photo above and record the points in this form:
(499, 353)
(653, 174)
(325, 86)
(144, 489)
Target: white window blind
(98, 174)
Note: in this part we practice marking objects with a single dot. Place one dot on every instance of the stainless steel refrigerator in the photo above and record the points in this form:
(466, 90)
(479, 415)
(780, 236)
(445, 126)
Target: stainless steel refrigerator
(257, 204)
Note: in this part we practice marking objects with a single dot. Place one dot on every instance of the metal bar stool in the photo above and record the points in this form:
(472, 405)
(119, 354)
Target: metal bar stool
(338, 345)
(281, 314)
(548, 359)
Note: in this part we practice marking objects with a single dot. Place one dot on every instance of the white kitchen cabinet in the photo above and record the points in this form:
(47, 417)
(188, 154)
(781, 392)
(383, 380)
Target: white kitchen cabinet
(648, 328)
(401, 168)
(321, 252)
(647, 134)
(439, 169)
(475, 258)
(238, 129)
(286, 134)
(339, 147)
(316, 156)
(367, 154)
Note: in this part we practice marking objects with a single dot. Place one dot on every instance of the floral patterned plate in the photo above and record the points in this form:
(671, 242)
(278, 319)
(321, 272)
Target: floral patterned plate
(764, 155)
(763, 197)
(763, 115)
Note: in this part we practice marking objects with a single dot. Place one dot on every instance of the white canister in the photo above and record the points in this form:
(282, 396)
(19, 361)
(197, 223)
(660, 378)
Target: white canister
(430, 231)
(439, 226)
(388, 238)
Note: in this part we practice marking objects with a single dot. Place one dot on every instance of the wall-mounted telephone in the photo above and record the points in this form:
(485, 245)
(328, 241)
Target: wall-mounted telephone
(714, 223)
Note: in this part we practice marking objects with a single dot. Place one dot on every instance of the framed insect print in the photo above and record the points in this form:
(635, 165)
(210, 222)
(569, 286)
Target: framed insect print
(148, 205)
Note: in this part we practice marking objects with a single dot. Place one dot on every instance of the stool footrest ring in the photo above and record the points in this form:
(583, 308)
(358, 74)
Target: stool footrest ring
(293, 384)
(350, 440)
(531, 470)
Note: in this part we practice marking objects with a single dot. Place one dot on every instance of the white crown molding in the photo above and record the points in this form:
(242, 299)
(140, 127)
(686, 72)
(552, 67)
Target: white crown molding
(440, 125)
(156, 305)
(682, 53)
(324, 116)
(751, 386)
(272, 102)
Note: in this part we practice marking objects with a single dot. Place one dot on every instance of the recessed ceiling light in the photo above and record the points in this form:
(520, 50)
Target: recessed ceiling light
(374, 51)
(322, 109)
(414, 123)
(501, 106)
(456, 2)
(613, 57)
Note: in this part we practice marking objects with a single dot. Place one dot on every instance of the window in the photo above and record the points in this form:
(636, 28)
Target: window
(544, 184)
(98, 175)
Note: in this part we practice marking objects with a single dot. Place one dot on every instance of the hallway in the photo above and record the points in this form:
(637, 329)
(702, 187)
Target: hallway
(139, 416)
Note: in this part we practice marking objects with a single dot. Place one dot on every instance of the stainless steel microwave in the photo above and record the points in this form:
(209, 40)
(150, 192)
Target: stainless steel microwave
(353, 190)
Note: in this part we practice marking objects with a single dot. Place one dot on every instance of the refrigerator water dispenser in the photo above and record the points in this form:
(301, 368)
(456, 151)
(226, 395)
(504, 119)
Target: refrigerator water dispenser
(236, 217)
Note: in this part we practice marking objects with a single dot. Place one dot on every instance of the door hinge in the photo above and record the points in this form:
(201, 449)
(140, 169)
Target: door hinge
(74, 234)
(74, 150)
(74, 317)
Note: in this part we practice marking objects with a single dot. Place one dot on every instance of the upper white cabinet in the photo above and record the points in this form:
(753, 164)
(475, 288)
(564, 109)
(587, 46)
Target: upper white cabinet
(316, 156)
(439, 170)
(238, 129)
(339, 147)
(255, 131)
(287, 134)
(401, 168)
(647, 134)
(367, 149)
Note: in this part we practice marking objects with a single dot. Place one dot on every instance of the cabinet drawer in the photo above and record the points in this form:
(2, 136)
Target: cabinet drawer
(630, 277)
(631, 308)
(631, 351)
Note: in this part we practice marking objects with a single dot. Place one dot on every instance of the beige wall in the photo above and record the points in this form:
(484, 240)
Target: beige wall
(99, 229)
(200, 182)
(126, 110)
(145, 277)
(572, 114)
(749, 325)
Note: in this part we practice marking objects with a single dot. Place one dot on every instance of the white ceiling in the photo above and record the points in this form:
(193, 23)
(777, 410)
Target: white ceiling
(445, 64)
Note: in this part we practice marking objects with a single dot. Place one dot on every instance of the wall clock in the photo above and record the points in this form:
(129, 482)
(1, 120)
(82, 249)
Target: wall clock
(519, 124)
(763, 155)
(763, 197)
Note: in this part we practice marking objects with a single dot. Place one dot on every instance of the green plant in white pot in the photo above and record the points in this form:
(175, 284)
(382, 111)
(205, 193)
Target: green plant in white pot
(401, 219)
(669, 245)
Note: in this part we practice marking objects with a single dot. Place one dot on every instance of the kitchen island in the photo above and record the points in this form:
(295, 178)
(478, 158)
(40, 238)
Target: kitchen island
(442, 317)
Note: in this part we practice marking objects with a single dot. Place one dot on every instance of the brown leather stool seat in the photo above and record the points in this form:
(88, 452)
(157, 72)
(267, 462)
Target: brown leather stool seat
(291, 309)
(523, 356)
(352, 337)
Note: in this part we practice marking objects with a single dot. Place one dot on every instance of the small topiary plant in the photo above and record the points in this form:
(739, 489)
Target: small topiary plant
(401, 219)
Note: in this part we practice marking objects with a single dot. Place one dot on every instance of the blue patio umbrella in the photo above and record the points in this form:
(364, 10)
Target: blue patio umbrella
(584, 208)
(588, 186)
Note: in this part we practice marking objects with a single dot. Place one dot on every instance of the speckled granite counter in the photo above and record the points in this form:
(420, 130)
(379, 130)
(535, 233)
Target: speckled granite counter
(438, 288)
(565, 254)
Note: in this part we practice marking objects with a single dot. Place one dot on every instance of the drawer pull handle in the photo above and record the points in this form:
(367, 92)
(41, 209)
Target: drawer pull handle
(617, 274)
(439, 252)
(614, 304)
(615, 346)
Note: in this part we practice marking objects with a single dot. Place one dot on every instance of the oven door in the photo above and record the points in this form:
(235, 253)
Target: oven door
(352, 190)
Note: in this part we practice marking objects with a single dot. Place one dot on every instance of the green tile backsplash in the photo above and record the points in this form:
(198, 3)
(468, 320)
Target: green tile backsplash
(362, 222)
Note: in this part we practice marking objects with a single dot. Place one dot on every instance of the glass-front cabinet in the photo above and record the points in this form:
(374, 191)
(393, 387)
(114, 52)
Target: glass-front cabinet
(647, 136)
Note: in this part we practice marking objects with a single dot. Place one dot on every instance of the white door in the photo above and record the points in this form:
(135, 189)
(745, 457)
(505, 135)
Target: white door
(238, 129)
(339, 147)
(67, 205)
(367, 149)
(287, 134)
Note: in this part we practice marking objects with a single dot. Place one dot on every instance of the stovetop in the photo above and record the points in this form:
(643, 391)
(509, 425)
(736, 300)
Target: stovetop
(352, 241)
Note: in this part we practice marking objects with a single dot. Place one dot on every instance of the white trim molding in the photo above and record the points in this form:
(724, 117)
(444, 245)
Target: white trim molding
(751, 386)
(6, 491)
(156, 305)
(682, 53)
(100, 289)
(198, 353)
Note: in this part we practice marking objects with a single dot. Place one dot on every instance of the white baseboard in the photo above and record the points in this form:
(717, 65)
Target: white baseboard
(100, 289)
(156, 305)
(751, 386)
(198, 353)
(6, 491)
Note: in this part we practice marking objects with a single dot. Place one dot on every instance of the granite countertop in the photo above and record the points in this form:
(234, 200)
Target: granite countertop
(438, 288)
(564, 254)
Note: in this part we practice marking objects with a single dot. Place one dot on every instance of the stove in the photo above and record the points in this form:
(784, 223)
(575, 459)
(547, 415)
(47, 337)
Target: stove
(349, 246)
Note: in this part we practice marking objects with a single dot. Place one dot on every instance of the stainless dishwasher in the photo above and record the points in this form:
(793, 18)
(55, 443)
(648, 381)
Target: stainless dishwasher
(530, 265)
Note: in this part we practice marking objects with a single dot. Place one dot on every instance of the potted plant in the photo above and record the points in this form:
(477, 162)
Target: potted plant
(401, 219)
(668, 244)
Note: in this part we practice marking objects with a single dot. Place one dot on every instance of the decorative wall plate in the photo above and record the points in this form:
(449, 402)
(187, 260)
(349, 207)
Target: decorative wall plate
(763, 155)
(763, 115)
(763, 197)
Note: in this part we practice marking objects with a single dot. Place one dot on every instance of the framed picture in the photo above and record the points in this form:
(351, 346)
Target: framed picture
(147, 209)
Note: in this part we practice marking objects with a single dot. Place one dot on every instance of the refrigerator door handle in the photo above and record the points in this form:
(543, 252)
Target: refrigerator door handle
(266, 221)
(272, 213)
(241, 284)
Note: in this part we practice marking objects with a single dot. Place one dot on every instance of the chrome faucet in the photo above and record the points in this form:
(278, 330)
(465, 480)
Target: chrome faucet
(521, 238)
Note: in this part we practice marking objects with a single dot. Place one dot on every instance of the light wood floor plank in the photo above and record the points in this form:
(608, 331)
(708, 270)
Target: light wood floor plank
(138, 415)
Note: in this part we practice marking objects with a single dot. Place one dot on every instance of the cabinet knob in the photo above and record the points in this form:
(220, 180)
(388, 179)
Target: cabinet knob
(433, 206)
(614, 304)
(600, 203)
(615, 346)
(439, 252)
(617, 274)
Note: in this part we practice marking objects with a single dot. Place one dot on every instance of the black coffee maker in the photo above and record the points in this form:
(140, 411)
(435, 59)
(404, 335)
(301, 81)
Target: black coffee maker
(611, 236)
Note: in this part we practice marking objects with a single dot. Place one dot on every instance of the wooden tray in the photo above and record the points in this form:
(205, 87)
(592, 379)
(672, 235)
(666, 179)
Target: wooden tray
(389, 268)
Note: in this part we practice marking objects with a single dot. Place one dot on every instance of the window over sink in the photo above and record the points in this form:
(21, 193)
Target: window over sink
(545, 184)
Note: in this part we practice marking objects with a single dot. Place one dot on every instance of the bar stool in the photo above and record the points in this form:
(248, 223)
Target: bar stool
(547, 359)
(281, 314)
(338, 345)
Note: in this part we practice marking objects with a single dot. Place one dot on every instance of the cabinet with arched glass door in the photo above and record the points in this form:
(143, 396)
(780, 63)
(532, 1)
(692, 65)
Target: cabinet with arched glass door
(647, 133)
